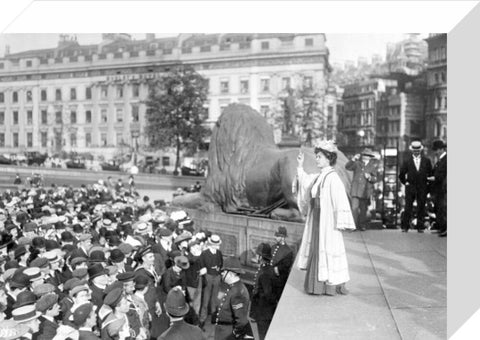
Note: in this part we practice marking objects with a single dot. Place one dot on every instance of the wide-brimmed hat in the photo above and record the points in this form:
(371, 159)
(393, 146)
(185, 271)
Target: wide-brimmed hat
(327, 145)
(182, 262)
(10, 330)
(233, 264)
(438, 144)
(176, 305)
(25, 298)
(185, 236)
(416, 145)
(368, 152)
(282, 231)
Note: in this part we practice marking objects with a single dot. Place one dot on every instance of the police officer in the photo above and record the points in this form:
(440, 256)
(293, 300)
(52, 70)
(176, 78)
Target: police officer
(231, 318)
(282, 260)
(264, 299)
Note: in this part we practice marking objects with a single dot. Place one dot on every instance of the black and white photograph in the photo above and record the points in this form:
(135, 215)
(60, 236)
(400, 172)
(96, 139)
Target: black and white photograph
(223, 186)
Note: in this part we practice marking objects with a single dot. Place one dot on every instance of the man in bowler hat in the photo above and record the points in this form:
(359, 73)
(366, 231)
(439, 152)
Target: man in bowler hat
(439, 186)
(413, 175)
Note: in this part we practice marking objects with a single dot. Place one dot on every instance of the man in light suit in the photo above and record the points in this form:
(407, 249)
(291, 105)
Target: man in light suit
(364, 175)
(413, 174)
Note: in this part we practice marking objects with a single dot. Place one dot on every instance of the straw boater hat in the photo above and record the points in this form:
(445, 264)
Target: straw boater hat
(416, 146)
(214, 240)
(25, 313)
(10, 330)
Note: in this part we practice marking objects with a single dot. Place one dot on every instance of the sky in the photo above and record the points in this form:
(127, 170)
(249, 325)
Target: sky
(342, 46)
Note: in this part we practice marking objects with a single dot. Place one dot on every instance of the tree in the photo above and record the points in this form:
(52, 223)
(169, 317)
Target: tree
(176, 112)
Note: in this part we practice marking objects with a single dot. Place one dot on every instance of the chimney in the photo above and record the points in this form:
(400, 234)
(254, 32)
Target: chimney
(7, 50)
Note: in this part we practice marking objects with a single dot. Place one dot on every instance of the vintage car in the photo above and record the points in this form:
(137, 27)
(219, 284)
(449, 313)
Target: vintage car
(76, 163)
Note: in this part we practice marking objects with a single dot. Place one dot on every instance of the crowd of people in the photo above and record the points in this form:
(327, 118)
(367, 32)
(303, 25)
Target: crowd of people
(97, 262)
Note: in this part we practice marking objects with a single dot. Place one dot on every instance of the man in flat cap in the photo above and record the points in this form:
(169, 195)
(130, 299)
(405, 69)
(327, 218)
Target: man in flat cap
(50, 309)
(116, 325)
(282, 260)
(127, 279)
(413, 175)
(365, 174)
(85, 319)
(439, 186)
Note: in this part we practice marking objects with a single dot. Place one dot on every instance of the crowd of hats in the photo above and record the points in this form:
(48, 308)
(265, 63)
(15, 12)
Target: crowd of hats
(45, 231)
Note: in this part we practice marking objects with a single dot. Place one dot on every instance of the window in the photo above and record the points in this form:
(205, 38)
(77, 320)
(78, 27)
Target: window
(104, 92)
(2, 140)
(308, 82)
(44, 116)
(88, 116)
(88, 93)
(29, 117)
(264, 110)
(103, 116)
(29, 96)
(436, 78)
(73, 117)
(136, 90)
(445, 102)
(285, 83)
(58, 117)
(88, 139)
(244, 86)
(135, 115)
(120, 91)
(2, 97)
(119, 115)
(43, 95)
(73, 139)
(2, 65)
(15, 97)
(29, 63)
(265, 45)
(166, 161)
(43, 139)
(443, 77)
(15, 117)
(265, 85)
(103, 138)
(309, 42)
(119, 138)
(15, 139)
(73, 94)
(207, 85)
(224, 86)
(58, 94)
(29, 139)
(2, 118)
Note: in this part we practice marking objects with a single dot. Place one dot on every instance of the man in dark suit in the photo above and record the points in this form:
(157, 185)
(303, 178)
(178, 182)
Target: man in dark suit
(364, 175)
(264, 299)
(439, 186)
(413, 174)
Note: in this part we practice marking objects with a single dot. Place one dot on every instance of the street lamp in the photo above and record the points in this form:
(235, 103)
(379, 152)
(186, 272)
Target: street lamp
(361, 135)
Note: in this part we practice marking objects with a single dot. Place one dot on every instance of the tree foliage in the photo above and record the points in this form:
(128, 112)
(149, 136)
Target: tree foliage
(176, 112)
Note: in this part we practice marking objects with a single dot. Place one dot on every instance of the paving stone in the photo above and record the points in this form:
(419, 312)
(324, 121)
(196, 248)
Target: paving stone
(421, 323)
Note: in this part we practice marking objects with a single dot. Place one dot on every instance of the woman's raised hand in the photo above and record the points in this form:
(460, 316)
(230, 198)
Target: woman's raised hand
(300, 158)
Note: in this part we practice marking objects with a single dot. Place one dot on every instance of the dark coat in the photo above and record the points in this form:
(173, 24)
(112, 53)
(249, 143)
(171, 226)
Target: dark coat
(97, 295)
(439, 185)
(361, 187)
(282, 258)
(47, 329)
(264, 298)
(233, 309)
(180, 330)
(416, 181)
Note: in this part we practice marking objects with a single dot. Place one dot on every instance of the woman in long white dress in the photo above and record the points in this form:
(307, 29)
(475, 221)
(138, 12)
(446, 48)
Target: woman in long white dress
(323, 201)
